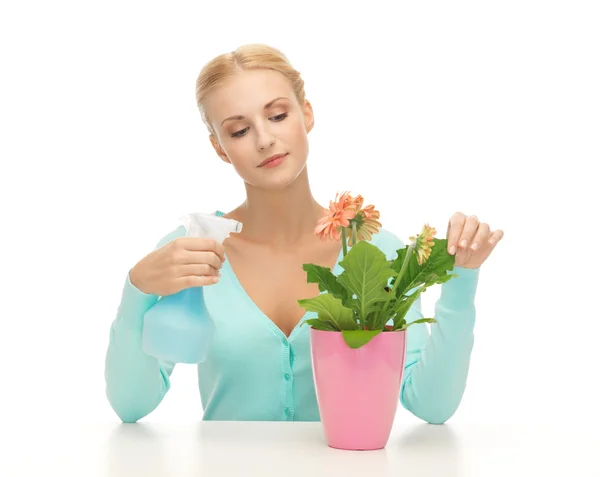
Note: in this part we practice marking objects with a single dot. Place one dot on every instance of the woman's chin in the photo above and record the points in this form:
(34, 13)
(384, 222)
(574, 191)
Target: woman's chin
(280, 177)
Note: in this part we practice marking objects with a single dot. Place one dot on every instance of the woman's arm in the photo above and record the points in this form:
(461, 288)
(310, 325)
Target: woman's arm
(136, 383)
(436, 366)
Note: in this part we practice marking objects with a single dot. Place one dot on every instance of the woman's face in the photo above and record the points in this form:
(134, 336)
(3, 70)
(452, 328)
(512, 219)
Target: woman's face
(261, 127)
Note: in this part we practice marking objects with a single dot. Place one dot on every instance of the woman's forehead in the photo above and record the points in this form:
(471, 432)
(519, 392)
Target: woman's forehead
(247, 92)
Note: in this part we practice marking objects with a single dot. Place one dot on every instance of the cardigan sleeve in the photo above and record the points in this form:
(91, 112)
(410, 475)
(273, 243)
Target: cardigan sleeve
(136, 383)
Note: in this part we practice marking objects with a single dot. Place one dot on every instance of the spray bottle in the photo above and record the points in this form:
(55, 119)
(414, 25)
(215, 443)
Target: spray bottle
(178, 328)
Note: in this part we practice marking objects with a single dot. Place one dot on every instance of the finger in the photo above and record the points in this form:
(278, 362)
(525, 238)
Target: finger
(200, 258)
(198, 270)
(496, 237)
(202, 244)
(483, 233)
(469, 231)
(220, 251)
(194, 281)
(455, 228)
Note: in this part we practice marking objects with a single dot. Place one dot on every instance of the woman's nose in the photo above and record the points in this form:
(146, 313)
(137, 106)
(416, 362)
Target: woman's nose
(264, 140)
(265, 144)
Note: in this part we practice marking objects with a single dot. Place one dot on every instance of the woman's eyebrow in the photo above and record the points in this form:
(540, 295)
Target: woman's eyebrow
(267, 106)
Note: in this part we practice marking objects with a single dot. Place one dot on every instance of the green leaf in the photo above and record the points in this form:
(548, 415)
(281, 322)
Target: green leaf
(377, 319)
(366, 273)
(420, 320)
(402, 305)
(370, 319)
(357, 338)
(331, 309)
(434, 270)
(326, 280)
(320, 324)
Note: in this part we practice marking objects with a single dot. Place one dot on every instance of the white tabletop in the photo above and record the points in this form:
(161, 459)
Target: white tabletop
(297, 449)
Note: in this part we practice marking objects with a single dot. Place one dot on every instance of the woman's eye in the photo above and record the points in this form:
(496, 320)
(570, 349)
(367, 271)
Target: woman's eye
(238, 134)
(279, 118)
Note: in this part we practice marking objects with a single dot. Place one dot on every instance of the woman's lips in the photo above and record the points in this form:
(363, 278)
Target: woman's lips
(275, 162)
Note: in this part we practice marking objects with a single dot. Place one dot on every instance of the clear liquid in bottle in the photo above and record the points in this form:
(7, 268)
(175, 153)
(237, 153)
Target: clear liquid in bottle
(178, 328)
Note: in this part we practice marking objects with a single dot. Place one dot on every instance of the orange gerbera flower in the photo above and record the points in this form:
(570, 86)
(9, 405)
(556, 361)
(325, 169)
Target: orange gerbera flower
(339, 214)
(345, 211)
(424, 242)
(366, 221)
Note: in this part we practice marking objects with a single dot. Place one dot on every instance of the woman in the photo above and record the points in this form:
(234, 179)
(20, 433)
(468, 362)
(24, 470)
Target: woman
(259, 367)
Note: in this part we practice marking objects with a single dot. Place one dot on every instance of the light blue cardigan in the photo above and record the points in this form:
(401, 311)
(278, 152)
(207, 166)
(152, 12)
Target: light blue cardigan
(254, 372)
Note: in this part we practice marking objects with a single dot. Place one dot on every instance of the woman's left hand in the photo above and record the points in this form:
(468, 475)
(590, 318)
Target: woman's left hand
(473, 241)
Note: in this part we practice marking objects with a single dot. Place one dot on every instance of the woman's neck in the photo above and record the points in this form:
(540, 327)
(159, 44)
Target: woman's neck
(280, 217)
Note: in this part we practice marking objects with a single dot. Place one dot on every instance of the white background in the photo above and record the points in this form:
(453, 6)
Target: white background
(424, 108)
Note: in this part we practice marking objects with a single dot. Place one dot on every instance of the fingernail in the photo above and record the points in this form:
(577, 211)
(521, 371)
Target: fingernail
(216, 279)
(474, 246)
(452, 250)
(463, 244)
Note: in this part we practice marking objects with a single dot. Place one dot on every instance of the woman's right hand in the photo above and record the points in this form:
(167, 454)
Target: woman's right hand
(182, 263)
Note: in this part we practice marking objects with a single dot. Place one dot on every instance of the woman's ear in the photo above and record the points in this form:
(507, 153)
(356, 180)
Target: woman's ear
(218, 149)
(309, 117)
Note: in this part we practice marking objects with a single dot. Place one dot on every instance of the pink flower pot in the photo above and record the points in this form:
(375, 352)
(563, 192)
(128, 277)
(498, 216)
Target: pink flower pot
(358, 390)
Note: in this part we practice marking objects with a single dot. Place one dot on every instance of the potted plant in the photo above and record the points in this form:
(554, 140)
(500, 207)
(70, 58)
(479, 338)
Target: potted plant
(358, 358)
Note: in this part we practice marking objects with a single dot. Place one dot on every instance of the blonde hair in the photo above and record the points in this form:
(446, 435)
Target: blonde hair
(247, 57)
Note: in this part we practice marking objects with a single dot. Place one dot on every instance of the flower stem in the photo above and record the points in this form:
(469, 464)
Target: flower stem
(400, 275)
(353, 232)
(344, 246)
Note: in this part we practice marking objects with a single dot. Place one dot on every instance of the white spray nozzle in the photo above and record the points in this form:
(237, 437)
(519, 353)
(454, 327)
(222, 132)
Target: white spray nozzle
(210, 226)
